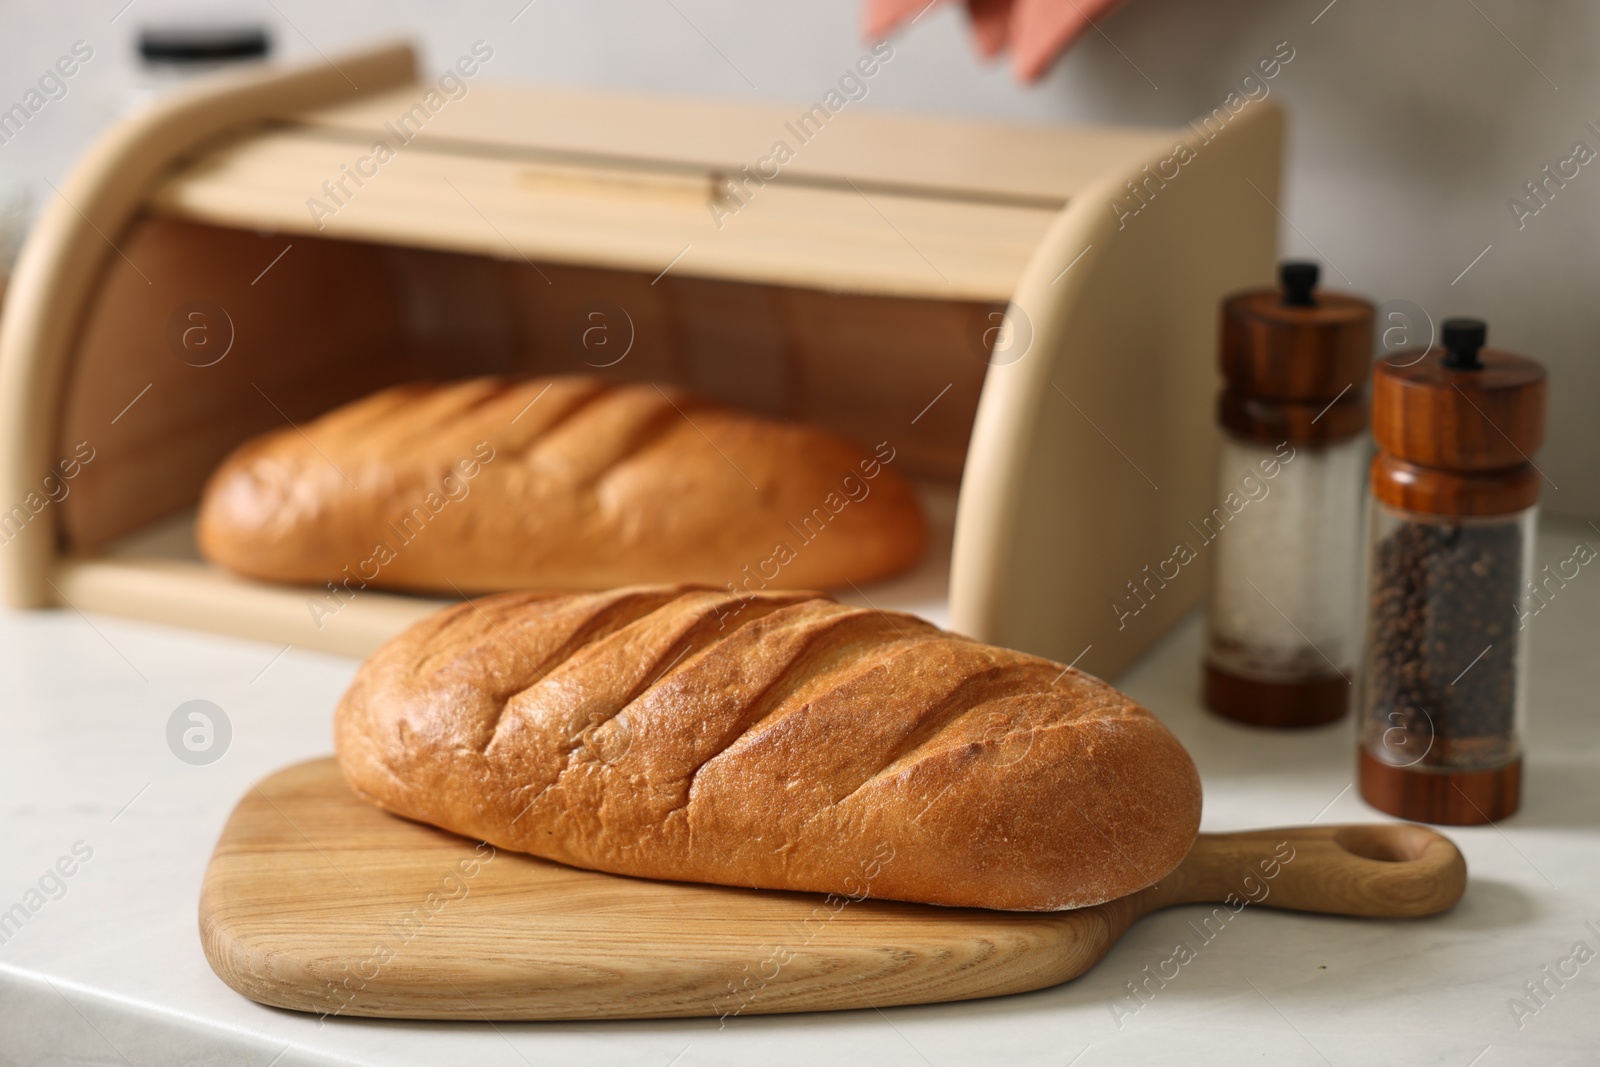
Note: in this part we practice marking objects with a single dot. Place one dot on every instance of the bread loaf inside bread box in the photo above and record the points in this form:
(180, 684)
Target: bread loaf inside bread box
(1020, 318)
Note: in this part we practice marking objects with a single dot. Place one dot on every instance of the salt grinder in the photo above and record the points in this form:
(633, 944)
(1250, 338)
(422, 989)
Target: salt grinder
(1450, 540)
(1286, 528)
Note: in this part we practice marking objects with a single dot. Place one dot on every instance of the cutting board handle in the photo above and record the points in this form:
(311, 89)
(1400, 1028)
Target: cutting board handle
(1381, 870)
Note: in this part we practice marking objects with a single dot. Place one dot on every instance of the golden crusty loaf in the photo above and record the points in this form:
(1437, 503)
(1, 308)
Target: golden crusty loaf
(780, 741)
(575, 483)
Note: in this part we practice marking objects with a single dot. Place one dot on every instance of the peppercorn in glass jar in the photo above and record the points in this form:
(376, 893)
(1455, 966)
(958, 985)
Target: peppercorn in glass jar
(1445, 656)
(1450, 550)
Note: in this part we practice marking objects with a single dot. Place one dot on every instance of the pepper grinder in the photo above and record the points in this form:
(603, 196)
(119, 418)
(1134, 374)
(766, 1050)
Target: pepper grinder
(1450, 548)
(1286, 528)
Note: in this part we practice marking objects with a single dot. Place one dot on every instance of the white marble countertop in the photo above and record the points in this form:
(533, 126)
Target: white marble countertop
(108, 969)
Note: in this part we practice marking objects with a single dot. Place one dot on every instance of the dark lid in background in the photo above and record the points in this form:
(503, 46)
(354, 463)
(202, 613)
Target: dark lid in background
(178, 44)
(1296, 342)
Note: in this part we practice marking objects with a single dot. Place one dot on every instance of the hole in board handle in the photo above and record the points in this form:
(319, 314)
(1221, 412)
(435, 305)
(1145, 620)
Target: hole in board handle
(1385, 842)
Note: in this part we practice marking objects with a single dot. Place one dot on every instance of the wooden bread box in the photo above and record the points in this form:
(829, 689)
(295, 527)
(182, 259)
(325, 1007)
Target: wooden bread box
(969, 292)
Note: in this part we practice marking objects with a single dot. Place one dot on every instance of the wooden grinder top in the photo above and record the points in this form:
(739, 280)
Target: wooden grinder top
(1458, 427)
(1295, 360)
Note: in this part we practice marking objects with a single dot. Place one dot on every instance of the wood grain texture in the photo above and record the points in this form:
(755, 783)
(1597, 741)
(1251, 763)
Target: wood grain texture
(1449, 798)
(318, 902)
(1457, 442)
(1276, 351)
(1414, 488)
(187, 593)
(160, 416)
(1316, 422)
(1272, 421)
(943, 157)
(1279, 705)
(615, 216)
(1295, 372)
(1485, 419)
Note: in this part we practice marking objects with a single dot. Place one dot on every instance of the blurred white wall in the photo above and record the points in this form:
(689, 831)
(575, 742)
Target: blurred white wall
(1411, 124)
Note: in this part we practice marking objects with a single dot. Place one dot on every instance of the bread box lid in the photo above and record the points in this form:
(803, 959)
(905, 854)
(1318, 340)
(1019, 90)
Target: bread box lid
(858, 201)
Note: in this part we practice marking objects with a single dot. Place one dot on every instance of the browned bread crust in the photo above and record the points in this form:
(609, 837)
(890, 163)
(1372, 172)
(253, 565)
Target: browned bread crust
(782, 741)
(575, 483)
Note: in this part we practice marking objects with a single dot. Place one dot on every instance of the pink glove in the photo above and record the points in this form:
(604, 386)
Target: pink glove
(1037, 30)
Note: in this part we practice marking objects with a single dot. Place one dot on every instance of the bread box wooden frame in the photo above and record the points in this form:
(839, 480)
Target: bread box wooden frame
(877, 263)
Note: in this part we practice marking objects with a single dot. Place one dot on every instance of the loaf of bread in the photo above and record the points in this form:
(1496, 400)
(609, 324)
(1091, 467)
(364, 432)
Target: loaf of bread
(495, 484)
(780, 740)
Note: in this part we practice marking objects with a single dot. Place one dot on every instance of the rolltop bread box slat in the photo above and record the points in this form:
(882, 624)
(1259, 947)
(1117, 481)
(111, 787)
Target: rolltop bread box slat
(969, 292)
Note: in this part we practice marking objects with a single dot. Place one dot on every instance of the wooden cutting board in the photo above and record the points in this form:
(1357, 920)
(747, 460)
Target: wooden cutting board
(317, 901)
